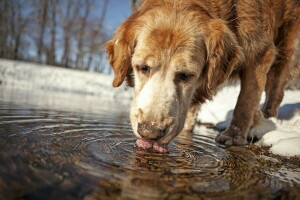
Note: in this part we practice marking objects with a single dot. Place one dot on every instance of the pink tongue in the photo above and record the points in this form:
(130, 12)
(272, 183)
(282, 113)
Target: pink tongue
(160, 147)
(144, 143)
(148, 144)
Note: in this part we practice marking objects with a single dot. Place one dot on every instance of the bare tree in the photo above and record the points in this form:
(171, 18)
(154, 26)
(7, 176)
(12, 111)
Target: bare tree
(87, 4)
(92, 48)
(4, 6)
(62, 32)
(71, 11)
(95, 49)
(97, 38)
(103, 12)
(51, 51)
(17, 24)
(42, 22)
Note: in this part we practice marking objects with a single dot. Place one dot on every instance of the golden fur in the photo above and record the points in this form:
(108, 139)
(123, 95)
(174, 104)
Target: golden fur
(177, 53)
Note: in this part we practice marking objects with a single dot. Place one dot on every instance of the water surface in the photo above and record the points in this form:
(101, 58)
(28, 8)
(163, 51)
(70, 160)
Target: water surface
(67, 146)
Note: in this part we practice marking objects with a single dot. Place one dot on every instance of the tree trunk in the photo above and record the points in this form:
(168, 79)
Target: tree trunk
(82, 31)
(95, 36)
(51, 54)
(4, 6)
(13, 31)
(103, 12)
(44, 15)
(90, 60)
(72, 11)
(65, 58)
(17, 46)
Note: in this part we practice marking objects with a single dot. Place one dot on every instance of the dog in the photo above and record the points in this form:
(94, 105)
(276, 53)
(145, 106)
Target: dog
(177, 54)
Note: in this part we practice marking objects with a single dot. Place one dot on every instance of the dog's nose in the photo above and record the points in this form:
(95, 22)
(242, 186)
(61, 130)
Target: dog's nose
(149, 131)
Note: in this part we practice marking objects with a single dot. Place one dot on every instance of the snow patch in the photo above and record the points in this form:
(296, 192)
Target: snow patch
(285, 140)
(287, 147)
(282, 134)
(273, 137)
(28, 75)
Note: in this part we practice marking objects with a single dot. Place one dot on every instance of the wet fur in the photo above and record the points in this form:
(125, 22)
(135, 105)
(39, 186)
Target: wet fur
(251, 40)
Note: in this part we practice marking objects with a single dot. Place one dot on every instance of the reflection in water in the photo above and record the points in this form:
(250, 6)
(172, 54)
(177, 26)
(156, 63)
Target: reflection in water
(73, 148)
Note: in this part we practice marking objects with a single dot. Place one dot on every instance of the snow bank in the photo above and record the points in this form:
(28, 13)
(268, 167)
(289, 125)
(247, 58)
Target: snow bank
(35, 76)
(285, 139)
(282, 134)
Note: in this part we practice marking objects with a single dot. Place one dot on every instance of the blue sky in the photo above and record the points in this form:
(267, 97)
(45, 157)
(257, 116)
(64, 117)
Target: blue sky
(117, 11)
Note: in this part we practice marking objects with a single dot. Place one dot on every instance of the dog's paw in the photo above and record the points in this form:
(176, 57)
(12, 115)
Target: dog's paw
(229, 139)
(268, 112)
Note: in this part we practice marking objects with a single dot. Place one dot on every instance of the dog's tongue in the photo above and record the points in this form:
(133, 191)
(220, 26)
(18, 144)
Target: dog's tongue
(144, 143)
(148, 144)
(160, 147)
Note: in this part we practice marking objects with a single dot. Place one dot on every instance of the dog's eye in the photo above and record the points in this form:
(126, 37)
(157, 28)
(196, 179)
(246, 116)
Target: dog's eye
(144, 69)
(182, 76)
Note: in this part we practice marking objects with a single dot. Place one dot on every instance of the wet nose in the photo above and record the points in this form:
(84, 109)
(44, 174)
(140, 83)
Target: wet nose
(149, 131)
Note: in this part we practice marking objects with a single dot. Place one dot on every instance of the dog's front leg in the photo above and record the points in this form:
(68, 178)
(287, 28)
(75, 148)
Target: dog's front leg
(191, 117)
(253, 79)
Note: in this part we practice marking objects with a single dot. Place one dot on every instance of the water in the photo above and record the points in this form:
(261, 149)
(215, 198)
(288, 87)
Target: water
(66, 146)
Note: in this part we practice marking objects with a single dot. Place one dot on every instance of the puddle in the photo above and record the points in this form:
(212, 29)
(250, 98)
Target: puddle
(71, 147)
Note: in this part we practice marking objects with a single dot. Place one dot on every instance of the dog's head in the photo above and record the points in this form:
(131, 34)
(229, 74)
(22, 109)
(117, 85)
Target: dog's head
(172, 57)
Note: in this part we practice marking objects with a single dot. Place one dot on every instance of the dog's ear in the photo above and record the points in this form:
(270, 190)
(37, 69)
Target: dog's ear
(119, 55)
(223, 53)
(120, 50)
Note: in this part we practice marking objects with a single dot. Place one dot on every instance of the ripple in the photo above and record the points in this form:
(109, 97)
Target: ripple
(63, 152)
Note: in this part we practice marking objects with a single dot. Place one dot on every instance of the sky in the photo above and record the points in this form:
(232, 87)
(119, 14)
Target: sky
(117, 12)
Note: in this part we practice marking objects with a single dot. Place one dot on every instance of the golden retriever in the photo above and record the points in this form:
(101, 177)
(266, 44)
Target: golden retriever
(177, 53)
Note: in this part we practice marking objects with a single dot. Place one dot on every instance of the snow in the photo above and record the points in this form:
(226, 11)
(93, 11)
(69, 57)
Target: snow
(287, 147)
(282, 134)
(36, 76)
